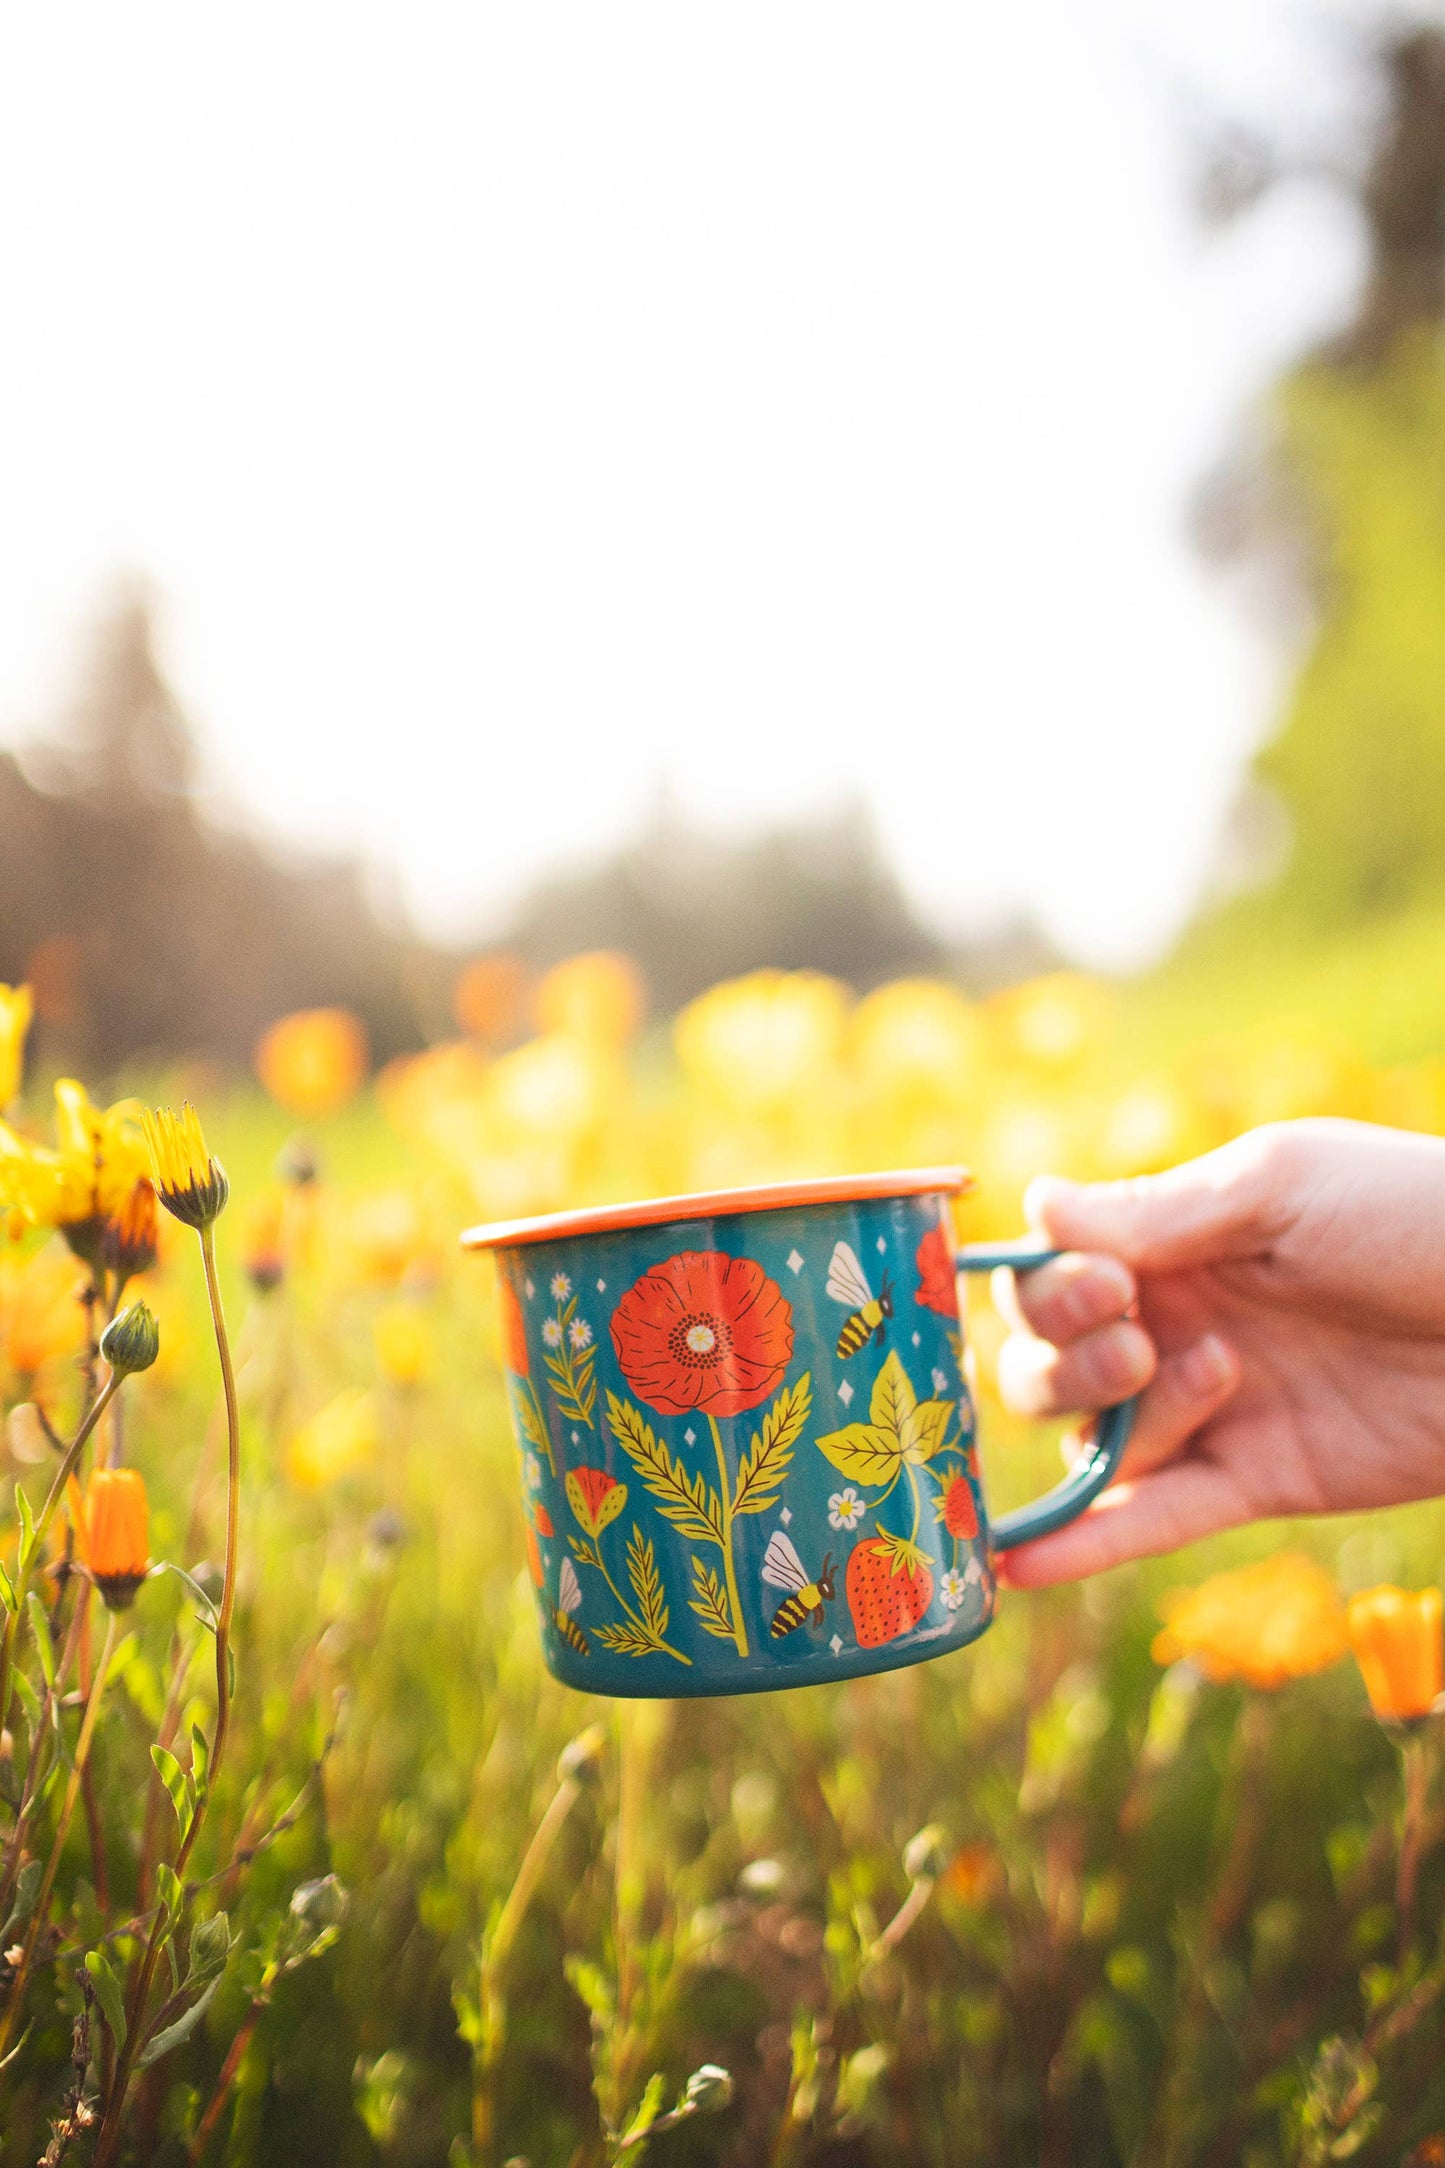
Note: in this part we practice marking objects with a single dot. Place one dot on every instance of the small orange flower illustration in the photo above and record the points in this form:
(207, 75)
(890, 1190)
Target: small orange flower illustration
(703, 1332)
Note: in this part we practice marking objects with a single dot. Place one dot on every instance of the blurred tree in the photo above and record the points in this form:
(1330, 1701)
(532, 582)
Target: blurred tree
(1346, 495)
(146, 928)
(695, 908)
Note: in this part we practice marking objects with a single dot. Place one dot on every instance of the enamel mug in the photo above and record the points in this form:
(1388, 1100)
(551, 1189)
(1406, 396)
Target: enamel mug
(748, 1447)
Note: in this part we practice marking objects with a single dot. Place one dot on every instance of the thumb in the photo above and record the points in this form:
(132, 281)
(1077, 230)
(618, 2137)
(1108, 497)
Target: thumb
(1204, 1211)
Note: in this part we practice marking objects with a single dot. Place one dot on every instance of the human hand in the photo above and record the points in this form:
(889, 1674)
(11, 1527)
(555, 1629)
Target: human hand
(1280, 1303)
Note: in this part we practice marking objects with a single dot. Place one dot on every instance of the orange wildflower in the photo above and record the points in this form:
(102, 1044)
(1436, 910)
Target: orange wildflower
(263, 1248)
(112, 1533)
(598, 997)
(489, 997)
(40, 1311)
(1265, 1624)
(1396, 1636)
(314, 1061)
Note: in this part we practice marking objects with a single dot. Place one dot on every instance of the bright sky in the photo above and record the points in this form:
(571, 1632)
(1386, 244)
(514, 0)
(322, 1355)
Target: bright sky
(520, 406)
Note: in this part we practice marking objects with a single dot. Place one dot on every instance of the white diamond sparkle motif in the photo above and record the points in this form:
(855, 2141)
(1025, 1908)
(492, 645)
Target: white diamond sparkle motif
(786, 1515)
(601, 1287)
(690, 1436)
(531, 1289)
(845, 1392)
(836, 1644)
(882, 1246)
(918, 1339)
(795, 1262)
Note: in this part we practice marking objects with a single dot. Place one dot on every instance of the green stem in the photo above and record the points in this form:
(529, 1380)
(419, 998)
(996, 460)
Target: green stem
(917, 1503)
(62, 1829)
(233, 1504)
(740, 1631)
(53, 1496)
(1414, 1754)
(108, 2140)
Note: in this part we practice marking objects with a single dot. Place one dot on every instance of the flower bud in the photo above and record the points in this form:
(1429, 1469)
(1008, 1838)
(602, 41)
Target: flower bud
(1396, 1636)
(925, 1854)
(112, 1533)
(131, 1341)
(709, 2090)
(581, 1758)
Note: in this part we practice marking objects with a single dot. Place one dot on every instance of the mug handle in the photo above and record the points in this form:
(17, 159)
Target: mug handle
(1100, 1457)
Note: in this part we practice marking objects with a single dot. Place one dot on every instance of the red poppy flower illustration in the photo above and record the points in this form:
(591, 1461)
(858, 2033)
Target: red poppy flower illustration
(544, 1521)
(703, 1333)
(595, 1497)
(957, 1510)
(934, 1260)
(514, 1330)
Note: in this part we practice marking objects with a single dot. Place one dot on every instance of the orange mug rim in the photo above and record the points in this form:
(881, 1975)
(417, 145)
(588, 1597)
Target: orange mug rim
(718, 1204)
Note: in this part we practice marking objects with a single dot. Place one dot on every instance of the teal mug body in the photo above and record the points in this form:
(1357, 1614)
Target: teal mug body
(747, 1440)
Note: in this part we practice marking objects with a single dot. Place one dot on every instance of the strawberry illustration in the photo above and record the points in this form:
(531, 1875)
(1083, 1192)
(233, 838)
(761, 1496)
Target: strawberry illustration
(890, 1586)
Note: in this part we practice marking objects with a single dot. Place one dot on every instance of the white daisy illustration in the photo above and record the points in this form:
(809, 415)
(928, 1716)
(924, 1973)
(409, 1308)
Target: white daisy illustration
(953, 1588)
(561, 1287)
(532, 1469)
(579, 1332)
(552, 1331)
(845, 1509)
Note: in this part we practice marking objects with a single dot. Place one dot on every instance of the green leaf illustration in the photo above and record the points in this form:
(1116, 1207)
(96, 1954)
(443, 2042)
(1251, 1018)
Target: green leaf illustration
(903, 1428)
(711, 1601)
(925, 1430)
(864, 1453)
(893, 1399)
(647, 1584)
(626, 1640)
(529, 1416)
(686, 1500)
(762, 1469)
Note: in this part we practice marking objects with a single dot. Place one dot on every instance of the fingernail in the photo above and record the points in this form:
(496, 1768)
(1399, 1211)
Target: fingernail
(1042, 1194)
(1206, 1366)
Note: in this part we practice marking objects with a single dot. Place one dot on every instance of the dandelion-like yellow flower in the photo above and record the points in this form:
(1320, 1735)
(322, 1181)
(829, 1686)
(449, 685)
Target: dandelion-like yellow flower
(1265, 1624)
(599, 997)
(1396, 1636)
(403, 1342)
(190, 1184)
(16, 1009)
(91, 1176)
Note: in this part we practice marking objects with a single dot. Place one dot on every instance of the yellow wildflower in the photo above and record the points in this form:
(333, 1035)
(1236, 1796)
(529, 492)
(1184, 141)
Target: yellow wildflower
(190, 1184)
(1396, 1636)
(1054, 1022)
(1264, 1624)
(403, 1342)
(763, 1043)
(40, 1311)
(599, 997)
(91, 1177)
(337, 1439)
(16, 1009)
(314, 1061)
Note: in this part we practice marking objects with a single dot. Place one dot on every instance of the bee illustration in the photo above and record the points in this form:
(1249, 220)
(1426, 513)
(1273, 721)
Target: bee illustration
(782, 1568)
(569, 1599)
(847, 1283)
